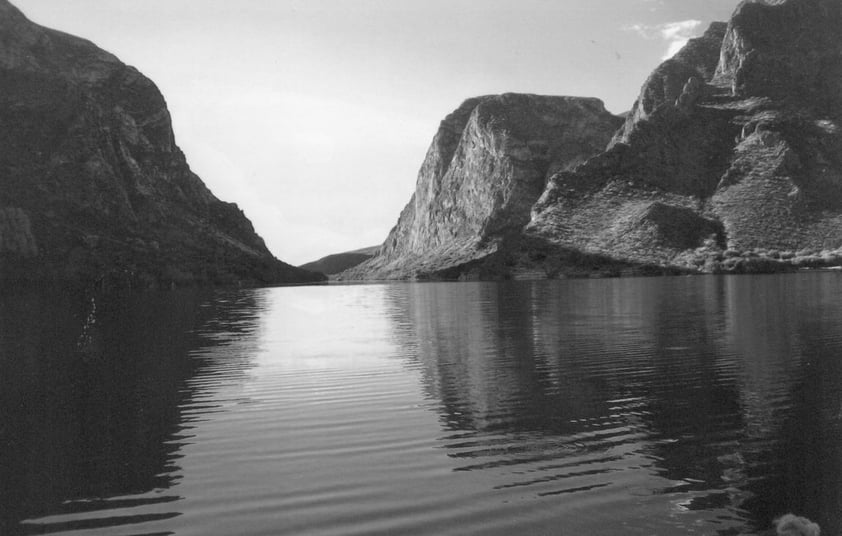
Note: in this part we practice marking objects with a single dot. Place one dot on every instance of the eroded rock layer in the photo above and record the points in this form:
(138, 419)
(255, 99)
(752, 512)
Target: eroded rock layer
(753, 148)
(486, 167)
(730, 161)
(92, 184)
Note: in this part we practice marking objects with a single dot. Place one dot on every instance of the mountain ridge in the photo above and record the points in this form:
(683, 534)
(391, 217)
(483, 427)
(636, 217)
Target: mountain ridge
(728, 162)
(94, 186)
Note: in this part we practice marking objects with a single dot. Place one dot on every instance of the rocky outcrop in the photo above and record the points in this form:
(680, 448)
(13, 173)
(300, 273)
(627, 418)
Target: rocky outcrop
(677, 80)
(730, 161)
(487, 165)
(788, 51)
(93, 183)
(755, 152)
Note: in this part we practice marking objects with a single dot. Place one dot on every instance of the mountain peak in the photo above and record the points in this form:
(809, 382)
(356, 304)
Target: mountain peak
(787, 50)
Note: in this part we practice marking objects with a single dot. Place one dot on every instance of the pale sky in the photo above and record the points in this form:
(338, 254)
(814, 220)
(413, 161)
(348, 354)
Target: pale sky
(315, 115)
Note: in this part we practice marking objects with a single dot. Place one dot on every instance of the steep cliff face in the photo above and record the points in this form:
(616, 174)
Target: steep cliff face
(730, 160)
(747, 154)
(788, 51)
(92, 184)
(667, 83)
(486, 167)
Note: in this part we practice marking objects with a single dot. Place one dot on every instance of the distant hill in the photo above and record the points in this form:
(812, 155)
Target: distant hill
(339, 262)
(92, 184)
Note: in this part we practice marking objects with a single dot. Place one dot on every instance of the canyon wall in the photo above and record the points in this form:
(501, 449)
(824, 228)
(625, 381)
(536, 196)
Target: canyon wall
(729, 161)
(92, 184)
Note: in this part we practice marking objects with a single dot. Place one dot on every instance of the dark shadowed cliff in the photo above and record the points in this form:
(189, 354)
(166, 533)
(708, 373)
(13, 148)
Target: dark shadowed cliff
(730, 160)
(92, 184)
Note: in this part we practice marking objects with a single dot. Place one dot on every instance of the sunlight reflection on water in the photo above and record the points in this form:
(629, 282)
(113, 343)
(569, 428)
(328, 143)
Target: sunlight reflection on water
(634, 406)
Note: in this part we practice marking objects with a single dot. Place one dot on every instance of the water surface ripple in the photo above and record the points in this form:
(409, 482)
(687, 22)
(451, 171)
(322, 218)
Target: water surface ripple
(704, 405)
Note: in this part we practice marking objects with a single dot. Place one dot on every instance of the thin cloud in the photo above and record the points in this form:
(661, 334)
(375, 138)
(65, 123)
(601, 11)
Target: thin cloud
(676, 34)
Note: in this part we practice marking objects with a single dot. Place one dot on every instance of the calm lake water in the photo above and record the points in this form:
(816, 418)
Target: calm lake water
(698, 405)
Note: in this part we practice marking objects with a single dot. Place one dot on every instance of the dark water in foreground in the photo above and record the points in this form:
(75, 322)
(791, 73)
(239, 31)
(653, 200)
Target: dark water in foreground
(705, 405)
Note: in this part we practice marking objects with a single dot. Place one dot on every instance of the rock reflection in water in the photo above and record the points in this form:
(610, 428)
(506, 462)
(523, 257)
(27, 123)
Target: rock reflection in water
(790, 378)
(705, 405)
(716, 398)
(92, 398)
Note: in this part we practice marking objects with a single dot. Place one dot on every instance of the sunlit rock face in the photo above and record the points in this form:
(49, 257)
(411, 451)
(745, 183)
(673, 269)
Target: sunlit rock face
(487, 165)
(730, 161)
(752, 150)
(92, 184)
(669, 82)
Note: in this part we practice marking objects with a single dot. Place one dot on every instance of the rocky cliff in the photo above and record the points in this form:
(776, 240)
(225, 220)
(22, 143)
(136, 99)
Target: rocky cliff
(731, 160)
(740, 171)
(92, 184)
(487, 165)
